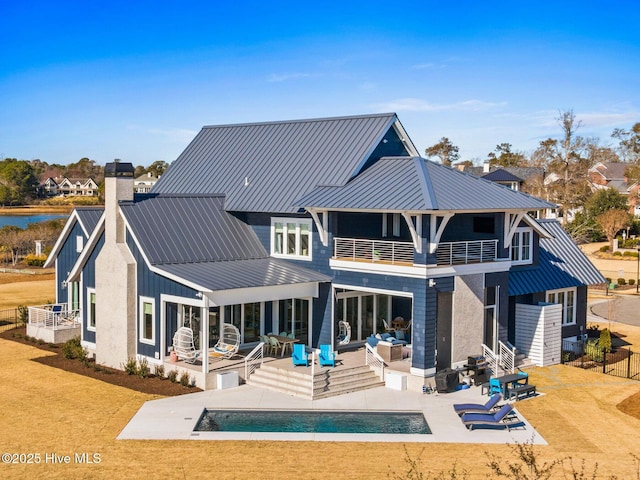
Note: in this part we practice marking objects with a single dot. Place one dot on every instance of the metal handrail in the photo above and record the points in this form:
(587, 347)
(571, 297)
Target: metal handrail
(359, 249)
(507, 357)
(374, 360)
(45, 316)
(491, 359)
(250, 360)
(475, 251)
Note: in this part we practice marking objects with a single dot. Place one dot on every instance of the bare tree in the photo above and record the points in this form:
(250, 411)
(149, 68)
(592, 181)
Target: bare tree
(612, 221)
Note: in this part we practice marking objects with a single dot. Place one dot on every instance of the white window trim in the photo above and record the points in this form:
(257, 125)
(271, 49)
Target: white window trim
(79, 243)
(142, 301)
(519, 231)
(298, 222)
(564, 304)
(89, 292)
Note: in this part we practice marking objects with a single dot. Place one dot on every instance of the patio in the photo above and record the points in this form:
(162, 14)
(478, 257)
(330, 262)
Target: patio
(175, 418)
(348, 357)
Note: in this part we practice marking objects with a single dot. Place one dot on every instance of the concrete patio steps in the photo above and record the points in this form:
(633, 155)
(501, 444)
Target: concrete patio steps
(326, 382)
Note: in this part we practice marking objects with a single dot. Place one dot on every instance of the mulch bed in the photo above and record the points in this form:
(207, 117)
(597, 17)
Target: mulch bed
(151, 385)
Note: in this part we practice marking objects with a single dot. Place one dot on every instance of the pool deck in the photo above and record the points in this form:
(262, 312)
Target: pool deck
(174, 418)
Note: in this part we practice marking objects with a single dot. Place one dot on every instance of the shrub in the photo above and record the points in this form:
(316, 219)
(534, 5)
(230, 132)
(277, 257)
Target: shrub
(143, 368)
(73, 349)
(604, 248)
(23, 314)
(131, 367)
(632, 281)
(622, 281)
(605, 340)
(608, 279)
(630, 254)
(593, 350)
(173, 376)
(185, 381)
(159, 372)
(35, 260)
(617, 254)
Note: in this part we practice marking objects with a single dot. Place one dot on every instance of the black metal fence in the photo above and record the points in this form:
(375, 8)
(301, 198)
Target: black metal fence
(620, 362)
(11, 318)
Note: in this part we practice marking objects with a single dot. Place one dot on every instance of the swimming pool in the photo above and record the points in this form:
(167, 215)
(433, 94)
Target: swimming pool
(312, 421)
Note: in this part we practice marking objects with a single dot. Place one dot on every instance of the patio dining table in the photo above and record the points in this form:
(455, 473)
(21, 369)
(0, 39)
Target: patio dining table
(285, 342)
(509, 379)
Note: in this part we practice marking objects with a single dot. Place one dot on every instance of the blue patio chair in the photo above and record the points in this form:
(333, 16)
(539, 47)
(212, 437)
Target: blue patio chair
(494, 386)
(291, 335)
(462, 408)
(283, 334)
(299, 355)
(326, 357)
(497, 419)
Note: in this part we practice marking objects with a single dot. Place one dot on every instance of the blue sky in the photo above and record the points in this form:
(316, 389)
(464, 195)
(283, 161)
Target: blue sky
(137, 80)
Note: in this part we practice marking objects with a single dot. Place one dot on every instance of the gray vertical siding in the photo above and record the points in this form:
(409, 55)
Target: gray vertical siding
(66, 260)
(152, 285)
(89, 281)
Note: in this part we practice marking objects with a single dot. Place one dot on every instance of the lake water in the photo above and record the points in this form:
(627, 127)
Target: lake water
(23, 220)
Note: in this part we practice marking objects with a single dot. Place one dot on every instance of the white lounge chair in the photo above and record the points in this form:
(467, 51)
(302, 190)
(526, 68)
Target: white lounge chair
(344, 333)
(228, 342)
(183, 345)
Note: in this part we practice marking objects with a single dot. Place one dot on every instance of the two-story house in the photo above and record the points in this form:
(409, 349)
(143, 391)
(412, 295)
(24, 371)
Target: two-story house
(297, 226)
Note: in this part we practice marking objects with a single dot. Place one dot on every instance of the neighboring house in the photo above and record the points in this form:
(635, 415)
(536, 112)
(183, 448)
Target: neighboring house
(296, 226)
(69, 187)
(503, 177)
(48, 188)
(144, 183)
(612, 175)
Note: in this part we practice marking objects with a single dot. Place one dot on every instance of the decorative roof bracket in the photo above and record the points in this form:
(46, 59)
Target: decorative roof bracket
(321, 225)
(435, 232)
(511, 222)
(414, 229)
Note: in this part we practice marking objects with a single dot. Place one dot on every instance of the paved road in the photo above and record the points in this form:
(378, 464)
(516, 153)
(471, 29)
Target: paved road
(618, 308)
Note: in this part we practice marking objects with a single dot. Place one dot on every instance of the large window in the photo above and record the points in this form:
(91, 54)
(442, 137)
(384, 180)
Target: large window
(522, 246)
(566, 298)
(147, 323)
(291, 237)
(294, 317)
(91, 306)
(247, 318)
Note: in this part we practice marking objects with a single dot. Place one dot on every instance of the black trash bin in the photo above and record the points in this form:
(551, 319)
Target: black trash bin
(446, 380)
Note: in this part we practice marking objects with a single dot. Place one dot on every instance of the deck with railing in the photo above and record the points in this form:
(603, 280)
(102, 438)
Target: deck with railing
(462, 253)
(54, 316)
(373, 251)
(402, 253)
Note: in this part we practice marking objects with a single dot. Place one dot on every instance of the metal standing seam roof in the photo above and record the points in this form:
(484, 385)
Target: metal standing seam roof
(413, 183)
(89, 218)
(265, 167)
(260, 272)
(501, 175)
(561, 264)
(184, 229)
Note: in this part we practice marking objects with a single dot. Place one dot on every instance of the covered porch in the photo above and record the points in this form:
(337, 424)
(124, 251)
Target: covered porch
(257, 297)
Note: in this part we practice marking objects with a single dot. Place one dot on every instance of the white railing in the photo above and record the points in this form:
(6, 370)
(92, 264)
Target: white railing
(54, 316)
(374, 360)
(504, 360)
(254, 360)
(361, 250)
(491, 359)
(462, 253)
(507, 357)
